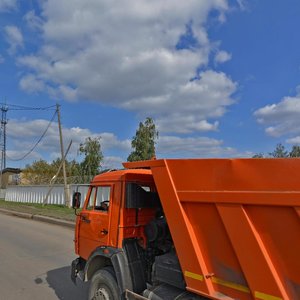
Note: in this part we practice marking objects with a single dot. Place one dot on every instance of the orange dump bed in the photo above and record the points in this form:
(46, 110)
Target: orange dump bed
(235, 224)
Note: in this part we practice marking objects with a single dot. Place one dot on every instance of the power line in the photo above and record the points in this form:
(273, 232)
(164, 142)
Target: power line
(38, 141)
(21, 107)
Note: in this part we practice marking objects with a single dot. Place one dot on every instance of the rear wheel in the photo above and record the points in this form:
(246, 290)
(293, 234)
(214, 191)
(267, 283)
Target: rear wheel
(104, 285)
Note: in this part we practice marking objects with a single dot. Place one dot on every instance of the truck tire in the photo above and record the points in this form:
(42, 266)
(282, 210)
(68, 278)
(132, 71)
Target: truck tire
(104, 286)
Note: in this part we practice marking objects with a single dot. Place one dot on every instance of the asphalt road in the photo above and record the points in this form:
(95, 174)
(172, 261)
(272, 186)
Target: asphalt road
(35, 261)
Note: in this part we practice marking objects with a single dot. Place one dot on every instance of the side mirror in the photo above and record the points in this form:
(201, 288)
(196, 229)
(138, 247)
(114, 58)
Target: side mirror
(76, 200)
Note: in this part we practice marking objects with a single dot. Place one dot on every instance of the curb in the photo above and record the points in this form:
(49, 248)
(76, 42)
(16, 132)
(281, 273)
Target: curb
(40, 218)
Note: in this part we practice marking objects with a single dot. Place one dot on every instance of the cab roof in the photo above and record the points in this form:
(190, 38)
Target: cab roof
(122, 175)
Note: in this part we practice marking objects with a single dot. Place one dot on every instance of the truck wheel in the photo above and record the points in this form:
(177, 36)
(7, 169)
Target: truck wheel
(104, 285)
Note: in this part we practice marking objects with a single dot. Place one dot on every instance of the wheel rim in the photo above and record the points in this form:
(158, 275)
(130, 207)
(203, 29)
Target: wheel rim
(101, 294)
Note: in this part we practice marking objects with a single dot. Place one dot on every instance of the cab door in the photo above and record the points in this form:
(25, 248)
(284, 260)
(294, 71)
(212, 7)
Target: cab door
(94, 223)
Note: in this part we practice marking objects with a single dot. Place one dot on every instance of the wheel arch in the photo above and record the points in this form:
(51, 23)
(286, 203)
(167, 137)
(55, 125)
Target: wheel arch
(108, 256)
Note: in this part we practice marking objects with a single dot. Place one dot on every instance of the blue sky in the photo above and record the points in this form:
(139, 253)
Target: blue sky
(220, 78)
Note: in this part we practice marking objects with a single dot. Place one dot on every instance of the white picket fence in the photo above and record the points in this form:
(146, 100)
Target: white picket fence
(38, 193)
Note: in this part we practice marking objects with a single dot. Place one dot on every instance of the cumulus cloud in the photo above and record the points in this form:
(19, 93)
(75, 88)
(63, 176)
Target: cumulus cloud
(14, 38)
(25, 133)
(281, 118)
(6, 5)
(31, 83)
(193, 147)
(126, 54)
(222, 56)
(112, 162)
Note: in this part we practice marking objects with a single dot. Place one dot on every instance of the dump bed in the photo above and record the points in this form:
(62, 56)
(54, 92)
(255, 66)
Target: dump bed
(235, 224)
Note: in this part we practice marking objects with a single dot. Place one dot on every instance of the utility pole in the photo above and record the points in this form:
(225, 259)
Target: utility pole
(66, 187)
(4, 110)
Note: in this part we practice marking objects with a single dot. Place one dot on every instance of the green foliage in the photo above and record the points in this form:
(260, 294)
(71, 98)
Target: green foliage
(143, 143)
(258, 155)
(91, 149)
(295, 152)
(41, 172)
(279, 152)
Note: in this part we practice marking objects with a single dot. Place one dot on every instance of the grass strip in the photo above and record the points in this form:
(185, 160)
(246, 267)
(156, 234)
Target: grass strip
(50, 210)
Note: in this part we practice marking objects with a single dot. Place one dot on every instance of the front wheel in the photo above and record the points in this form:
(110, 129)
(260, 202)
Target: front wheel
(104, 286)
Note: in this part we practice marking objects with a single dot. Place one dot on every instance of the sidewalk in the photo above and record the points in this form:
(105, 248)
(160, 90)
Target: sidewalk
(37, 217)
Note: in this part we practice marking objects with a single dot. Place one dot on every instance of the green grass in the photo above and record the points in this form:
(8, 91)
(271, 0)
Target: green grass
(55, 211)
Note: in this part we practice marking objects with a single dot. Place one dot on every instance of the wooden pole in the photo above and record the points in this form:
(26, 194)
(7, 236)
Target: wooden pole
(66, 187)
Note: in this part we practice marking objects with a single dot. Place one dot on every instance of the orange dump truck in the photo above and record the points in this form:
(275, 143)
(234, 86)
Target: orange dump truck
(192, 229)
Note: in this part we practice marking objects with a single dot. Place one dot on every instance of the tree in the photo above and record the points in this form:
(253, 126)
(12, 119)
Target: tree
(91, 149)
(279, 152)
(258, 155)
(39, 172)
(143, 143)
(295, 152)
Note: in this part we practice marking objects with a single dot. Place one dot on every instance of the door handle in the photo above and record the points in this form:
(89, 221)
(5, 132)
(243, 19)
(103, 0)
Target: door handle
(104, 231)
(85, 219)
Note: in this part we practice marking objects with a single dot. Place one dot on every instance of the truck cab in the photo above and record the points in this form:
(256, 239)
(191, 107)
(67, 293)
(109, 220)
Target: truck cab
(119, 231)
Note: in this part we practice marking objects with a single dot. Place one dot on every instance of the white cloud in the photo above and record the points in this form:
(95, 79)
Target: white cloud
(123, 53)
(112, 162)
(187, 107)
(31, 83)
(33, 21)
(294, 140)
(243, 4)
(193, 147)
(2, 60)
(6, 5)
(14, 38)
(24, 134)
(222, 56)
(281, 118)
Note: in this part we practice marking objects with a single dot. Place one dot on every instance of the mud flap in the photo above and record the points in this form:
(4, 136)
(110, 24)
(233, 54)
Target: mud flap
(74, 269)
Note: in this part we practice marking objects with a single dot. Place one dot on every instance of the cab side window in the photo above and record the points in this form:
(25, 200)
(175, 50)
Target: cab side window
(91, 203)
(103, 198)
(99, 198)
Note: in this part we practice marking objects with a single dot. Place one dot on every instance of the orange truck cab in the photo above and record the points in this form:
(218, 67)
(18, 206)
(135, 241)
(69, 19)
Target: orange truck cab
(191, 229)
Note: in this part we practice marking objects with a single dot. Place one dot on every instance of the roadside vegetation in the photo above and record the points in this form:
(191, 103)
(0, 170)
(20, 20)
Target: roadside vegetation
(55, 211)
(280, 152)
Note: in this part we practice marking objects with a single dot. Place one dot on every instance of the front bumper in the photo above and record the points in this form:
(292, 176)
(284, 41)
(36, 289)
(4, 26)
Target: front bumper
(77, 267)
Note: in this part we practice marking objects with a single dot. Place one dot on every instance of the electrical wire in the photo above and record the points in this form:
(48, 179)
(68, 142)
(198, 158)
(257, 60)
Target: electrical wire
(20, 107)
(37, 143)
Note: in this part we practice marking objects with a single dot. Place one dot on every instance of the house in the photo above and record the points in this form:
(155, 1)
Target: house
(9, 176)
